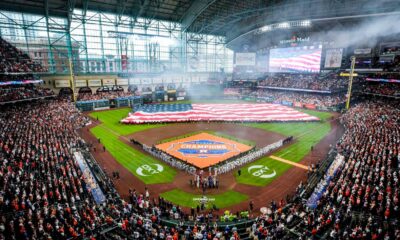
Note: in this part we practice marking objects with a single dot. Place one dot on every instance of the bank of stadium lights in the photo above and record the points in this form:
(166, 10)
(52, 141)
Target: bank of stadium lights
(285, 25)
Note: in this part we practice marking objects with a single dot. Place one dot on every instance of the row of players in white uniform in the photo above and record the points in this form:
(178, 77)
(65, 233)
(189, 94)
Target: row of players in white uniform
(226, 167)
(170, 160)
(230, 165)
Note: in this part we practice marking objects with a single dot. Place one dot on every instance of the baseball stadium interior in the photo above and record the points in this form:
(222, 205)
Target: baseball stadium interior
(199, 119)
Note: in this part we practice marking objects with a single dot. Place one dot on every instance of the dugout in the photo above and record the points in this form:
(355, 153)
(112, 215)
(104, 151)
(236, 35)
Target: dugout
(180, 93)
(171, 92)
(159, 95)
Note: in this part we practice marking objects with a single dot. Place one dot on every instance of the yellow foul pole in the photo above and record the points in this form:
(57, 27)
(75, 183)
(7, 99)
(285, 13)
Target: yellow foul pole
(72, 82)
(353, 63)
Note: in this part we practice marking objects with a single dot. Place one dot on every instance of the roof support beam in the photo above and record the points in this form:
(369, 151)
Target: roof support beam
(143, 6)
(50, 53)
(122, 7)
(194, 11)
(85, 5)
(70, 11)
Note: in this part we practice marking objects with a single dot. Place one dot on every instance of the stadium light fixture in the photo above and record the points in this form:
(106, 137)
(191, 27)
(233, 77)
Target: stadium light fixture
(266, 28)
(306, 23)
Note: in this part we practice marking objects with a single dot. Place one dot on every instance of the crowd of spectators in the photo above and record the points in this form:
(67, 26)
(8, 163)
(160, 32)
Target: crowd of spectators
(362, 201)
(23, 92)
(16, 77)
(305, 81)
(103, 95)
(43, 193)
(383, 75)
(13, 60)
(369, 182)
(322, 100)
(388, 89)
(39, 180)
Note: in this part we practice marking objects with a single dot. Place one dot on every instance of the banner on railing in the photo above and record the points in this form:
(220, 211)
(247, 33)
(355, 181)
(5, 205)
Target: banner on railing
(287, 103)
(298, 104)
(20, 82)
(310, 106)
(91, 183)
(322, 185)
(295, 89)
(383, 80)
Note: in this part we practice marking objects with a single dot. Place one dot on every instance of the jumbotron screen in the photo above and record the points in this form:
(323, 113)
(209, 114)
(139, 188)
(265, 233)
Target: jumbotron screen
(295, 59)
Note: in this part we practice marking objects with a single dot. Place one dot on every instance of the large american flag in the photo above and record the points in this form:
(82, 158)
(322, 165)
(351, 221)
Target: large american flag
(264, 112)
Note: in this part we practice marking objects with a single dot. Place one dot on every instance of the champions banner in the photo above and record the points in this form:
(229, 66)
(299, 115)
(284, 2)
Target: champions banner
(203, 149)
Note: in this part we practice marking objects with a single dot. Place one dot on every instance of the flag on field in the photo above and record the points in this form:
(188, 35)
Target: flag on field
(216, 112)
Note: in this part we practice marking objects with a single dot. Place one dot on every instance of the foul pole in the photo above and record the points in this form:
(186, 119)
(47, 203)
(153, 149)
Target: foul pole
(72, 82)
(353, 63)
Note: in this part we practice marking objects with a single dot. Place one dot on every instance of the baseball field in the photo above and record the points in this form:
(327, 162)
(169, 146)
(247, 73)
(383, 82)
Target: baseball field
(268, 178)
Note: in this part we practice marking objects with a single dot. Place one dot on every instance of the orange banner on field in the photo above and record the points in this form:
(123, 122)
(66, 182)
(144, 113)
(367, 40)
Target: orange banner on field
(203, 150)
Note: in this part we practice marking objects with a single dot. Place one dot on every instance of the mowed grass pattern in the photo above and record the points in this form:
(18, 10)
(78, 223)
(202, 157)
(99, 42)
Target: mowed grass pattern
(109, 132)
(223, 200)
(307, 134)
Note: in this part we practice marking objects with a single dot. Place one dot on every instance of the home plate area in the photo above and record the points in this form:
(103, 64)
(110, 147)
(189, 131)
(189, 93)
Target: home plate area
(203, 150)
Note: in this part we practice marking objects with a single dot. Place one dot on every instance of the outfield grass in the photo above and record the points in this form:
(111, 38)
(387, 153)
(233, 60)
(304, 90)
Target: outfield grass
(307, 134)
(109, 132)
(111, 120)
(223, 200)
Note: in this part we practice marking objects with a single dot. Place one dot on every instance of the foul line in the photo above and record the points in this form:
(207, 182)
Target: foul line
(289, 162)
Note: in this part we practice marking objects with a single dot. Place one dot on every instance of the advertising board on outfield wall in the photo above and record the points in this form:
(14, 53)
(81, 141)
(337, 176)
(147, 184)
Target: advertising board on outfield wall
(94, 83)
(108, 82)
(80, 83)
(122, 82)
(62, 83)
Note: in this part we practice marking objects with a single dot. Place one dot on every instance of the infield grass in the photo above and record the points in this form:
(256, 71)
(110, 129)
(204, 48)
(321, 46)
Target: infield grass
(223, 200)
